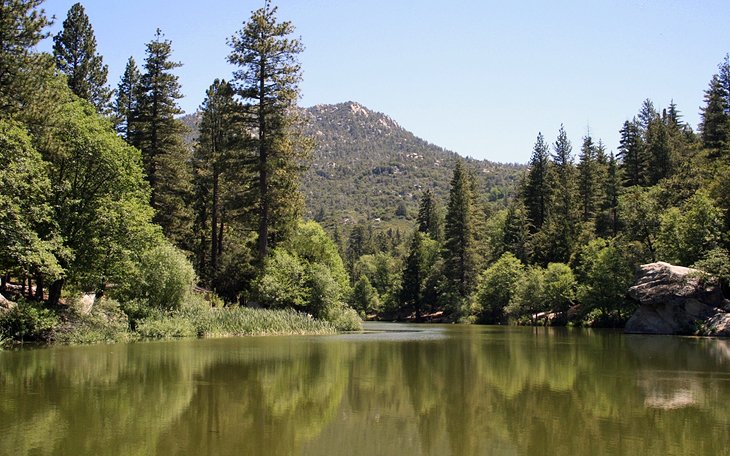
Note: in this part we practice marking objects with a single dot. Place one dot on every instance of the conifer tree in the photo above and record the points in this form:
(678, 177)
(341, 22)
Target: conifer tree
(631, 155)
(218, 134)
(75, 53)
(563, 221)
(428, 220)
(21, 28)
(588, 179)
(517, 231)
(413, 276)
(159, 135)
(459, 249)
(536, 191)
(126, 103)
(267, 80)
(714, 125)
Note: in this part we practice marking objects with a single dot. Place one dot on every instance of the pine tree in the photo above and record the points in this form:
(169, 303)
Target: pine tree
(218, 134)
(536, 191)
(631, 155)
(517, 231)
(659, 153)
(159, 135)
(588, 180)
(459, 250)
(126, 103)
(267, 81)
(608, 223)
(714, 124)
(563, 221)
(428, 220)
(21, 28)
(75, 53)
(412, 280)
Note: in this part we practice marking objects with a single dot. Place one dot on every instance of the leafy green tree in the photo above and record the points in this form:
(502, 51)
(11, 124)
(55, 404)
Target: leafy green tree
(365, 297)
(688, 233)
(267, 81)
(495, 287)
(74, 50)
(459, 250)
(159, 135)
(26, 224)
(21, 28)
(537, 190)
(559, 287)
(429, 219)
(126, 103)
(608, 274)
(527, 297)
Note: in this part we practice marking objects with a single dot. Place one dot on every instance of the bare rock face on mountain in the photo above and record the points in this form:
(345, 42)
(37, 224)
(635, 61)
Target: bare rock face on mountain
(678, 300)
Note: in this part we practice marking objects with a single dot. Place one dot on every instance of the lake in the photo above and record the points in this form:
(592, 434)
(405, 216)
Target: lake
(397, 389)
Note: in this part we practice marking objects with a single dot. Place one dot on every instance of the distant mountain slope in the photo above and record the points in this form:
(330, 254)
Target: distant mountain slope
(365, 166)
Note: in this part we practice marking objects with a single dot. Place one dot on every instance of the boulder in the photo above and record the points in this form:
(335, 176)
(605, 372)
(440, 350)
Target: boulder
(6, 304)
(678, 300)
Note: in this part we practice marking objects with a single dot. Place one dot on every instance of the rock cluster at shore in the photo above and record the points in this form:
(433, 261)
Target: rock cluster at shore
(678, 300)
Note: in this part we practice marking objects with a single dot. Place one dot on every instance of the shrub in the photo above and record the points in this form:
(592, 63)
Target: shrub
(28, 322)
(164, 280)
(559, 290)
(528, 295)
(495, 287)
(105, 323)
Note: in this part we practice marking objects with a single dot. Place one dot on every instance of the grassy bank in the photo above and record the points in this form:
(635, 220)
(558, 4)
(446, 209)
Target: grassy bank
(110, 322)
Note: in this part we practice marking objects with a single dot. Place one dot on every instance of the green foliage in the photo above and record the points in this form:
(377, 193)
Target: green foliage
(717, 263)
(164, 279)
(28, 322)
(607, 272)
(365, 297)
(26, 226)
(688, 233)
(559, 289)
(639, 213)
(495, 287)
(527, 298)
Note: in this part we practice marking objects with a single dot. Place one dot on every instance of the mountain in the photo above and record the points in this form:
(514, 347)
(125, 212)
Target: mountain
(367, 167)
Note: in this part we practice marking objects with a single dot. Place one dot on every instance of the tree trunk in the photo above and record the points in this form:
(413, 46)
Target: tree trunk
(4, 282)
(214, 226)
(54, 292)
(39, 288)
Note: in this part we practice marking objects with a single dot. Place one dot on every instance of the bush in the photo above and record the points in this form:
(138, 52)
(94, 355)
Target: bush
(559, 290)
(528, 296)
(495, 287)
(28, 322)
(609, 273)
(164, 280)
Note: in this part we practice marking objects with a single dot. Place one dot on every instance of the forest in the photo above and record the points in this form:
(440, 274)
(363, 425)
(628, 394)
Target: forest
(102, 194)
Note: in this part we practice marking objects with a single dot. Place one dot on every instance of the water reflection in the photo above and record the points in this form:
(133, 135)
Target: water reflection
(430, 390)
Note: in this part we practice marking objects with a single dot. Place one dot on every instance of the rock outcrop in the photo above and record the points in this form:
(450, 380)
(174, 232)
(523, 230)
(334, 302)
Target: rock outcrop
(678, 300)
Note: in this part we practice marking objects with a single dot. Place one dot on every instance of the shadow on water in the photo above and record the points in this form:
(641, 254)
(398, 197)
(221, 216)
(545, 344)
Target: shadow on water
(391, 390)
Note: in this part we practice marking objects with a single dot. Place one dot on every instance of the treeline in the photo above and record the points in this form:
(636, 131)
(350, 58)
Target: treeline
(566, 248)
(101, 194)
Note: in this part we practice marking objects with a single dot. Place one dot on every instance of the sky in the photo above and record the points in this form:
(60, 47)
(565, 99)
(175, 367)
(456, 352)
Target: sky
(480, 78)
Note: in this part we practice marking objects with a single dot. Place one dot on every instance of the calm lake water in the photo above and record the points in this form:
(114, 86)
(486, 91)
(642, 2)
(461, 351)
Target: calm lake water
(396, 390)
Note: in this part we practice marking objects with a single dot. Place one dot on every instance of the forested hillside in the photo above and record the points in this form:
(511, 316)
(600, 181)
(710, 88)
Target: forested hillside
(365, 166)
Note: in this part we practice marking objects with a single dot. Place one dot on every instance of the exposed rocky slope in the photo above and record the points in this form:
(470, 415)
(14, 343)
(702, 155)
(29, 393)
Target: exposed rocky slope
(678, 300)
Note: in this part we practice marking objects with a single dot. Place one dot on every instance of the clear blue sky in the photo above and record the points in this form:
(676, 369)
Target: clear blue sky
(481, 78)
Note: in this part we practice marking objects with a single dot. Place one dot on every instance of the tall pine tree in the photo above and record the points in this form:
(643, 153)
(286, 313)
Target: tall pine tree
(159, 135)
(459, 250)
(74, 50)
(536, 191)
(126, 103)
(429, 220)
(267, 80)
